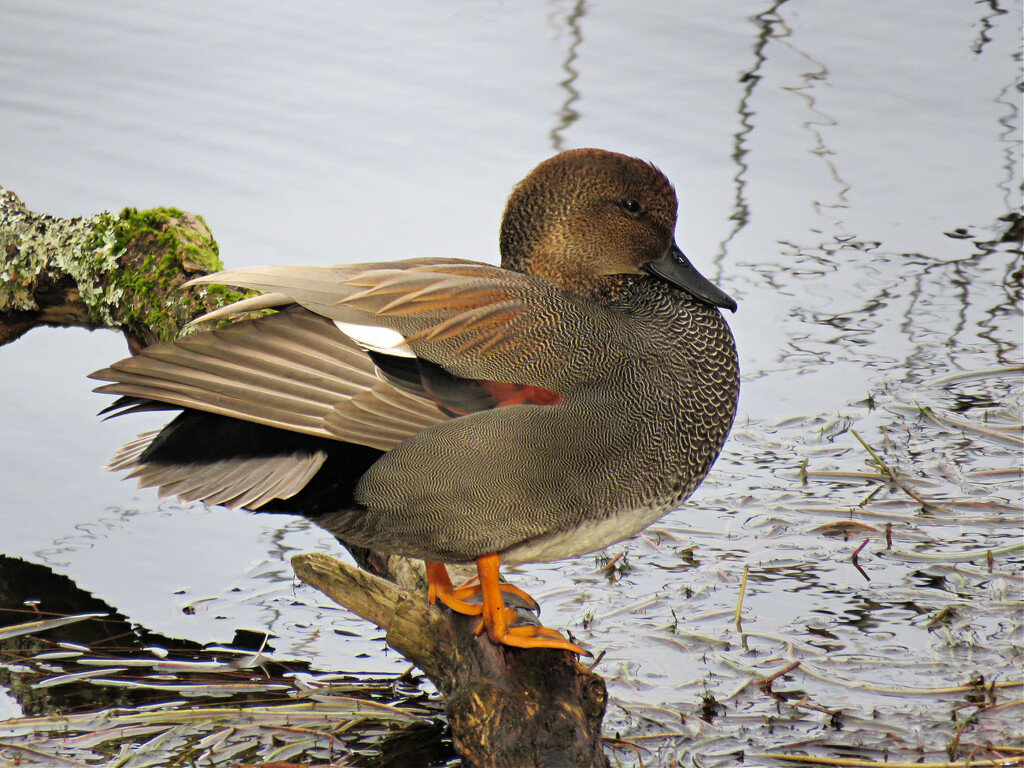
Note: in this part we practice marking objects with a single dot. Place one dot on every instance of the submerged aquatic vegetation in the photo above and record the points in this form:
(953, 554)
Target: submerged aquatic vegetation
(190, 707)
(877, 617)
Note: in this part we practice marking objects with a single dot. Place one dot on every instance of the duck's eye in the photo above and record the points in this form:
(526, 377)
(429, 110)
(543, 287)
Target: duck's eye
(632, 205)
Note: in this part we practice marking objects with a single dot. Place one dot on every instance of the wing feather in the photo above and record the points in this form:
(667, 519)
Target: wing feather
(477, 320)
(296, 370)
(470, 324)
(235, 483)
(292, 370)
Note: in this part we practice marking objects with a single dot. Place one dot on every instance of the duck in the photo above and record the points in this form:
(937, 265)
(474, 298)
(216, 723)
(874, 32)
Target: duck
(455, 411)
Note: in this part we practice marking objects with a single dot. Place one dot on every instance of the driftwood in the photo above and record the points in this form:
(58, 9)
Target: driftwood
(505, 706)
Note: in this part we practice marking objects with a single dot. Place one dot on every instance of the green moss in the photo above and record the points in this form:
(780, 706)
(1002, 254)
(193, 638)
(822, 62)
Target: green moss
(156, 250)
(127, 269)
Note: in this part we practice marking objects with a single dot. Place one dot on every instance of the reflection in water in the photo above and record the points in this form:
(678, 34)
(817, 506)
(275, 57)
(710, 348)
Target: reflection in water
(30, 592)
(907, 314)
(817, 73)
(986, 25)
(896, 323)
(765, 21)
(1009, 281)
(568, 115)
(866, 615)
(1010, 121)
(88, 534)
(111, 674)
(778, 31)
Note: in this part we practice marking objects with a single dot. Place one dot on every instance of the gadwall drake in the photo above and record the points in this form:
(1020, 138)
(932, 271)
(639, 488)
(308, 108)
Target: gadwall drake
(455, 411)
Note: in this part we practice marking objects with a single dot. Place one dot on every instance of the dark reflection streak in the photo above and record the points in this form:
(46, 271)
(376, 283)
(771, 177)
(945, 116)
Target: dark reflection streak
(568, 115)
(987, 25)
(1011, 119)
(915, 294)
(966, 271)
(844, 321)
(918, 297)
(1007, 352)
(765, 21)
(934, 285)
(806, 91)
(960, 279)
(23, 583)
(1011, 124)
(280, 553)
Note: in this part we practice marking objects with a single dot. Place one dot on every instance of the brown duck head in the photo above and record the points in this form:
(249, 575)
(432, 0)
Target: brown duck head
(587, 219)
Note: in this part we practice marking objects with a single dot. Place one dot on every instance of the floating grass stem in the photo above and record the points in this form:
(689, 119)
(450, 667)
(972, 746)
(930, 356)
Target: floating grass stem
(948, 421)
(888, 471)
(739, 601)
(775, 675)
(858, 763)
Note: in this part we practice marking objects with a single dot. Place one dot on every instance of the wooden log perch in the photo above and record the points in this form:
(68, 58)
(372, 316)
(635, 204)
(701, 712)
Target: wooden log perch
(507, 707)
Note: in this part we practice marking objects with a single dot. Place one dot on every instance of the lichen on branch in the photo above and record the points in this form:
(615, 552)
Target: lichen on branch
(121, 271)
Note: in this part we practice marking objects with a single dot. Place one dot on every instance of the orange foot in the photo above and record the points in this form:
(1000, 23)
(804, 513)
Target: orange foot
(495, 617)
(458, 598)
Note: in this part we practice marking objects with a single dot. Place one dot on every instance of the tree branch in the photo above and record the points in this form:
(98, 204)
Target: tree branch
(121, 271)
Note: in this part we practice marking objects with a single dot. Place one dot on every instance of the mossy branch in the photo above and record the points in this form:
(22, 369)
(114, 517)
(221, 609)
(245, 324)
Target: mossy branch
(121, 271)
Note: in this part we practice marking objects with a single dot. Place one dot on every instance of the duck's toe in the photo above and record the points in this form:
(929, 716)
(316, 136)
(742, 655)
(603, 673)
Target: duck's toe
(471, 590)
(529, 636)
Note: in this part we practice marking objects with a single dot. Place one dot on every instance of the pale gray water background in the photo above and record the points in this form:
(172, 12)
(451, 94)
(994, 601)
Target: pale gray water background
(824, 156)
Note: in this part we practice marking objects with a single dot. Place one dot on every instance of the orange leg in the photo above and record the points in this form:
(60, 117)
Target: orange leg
(441, 589)
(496, 616)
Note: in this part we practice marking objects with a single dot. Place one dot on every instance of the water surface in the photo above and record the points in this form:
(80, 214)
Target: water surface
(844, 171)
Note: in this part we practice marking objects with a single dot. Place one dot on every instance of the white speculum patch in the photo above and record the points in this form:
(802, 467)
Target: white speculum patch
(376, 338)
